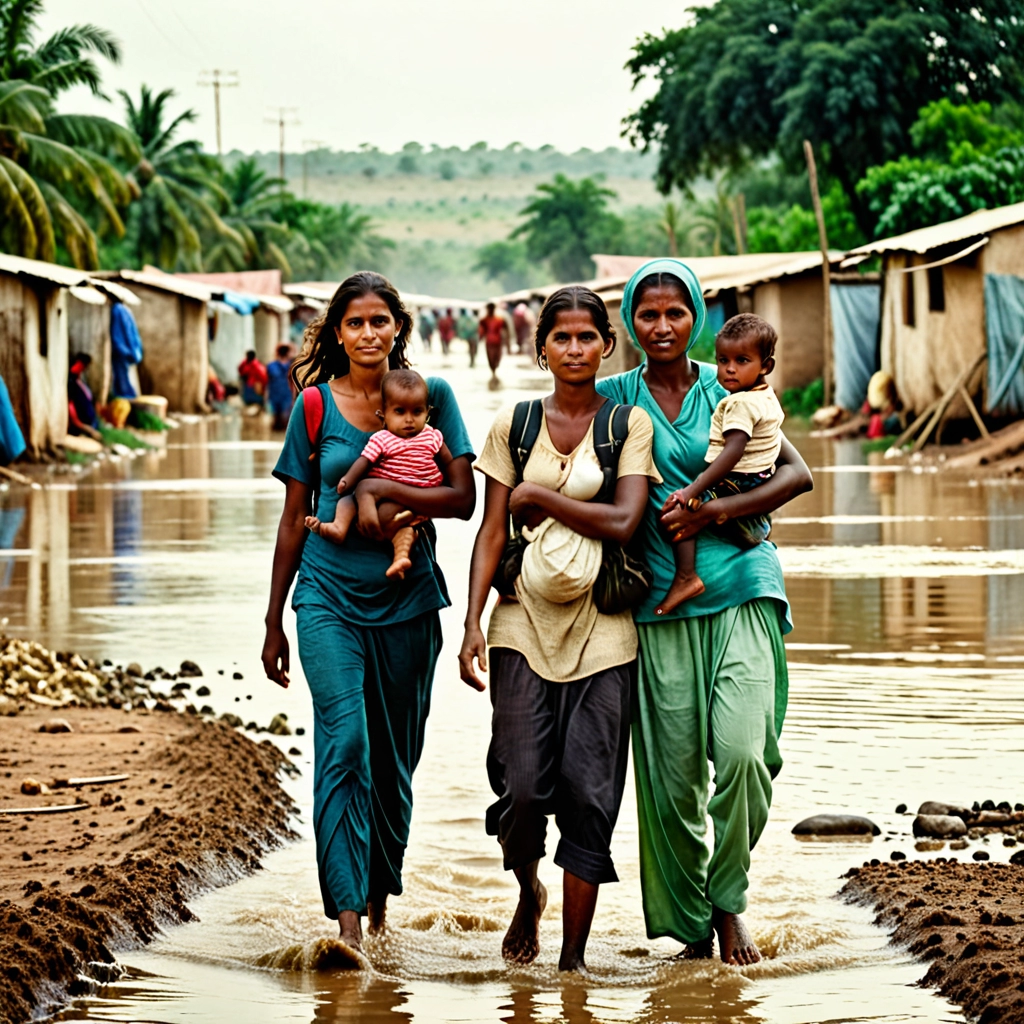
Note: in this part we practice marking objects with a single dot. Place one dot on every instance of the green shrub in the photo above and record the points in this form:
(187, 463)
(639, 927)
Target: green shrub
(804, 402)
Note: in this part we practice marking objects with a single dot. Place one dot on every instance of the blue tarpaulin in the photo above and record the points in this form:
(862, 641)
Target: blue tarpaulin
(12, 442)
(1004, 328)
(244, 304)
(856, 314)
(125, 350)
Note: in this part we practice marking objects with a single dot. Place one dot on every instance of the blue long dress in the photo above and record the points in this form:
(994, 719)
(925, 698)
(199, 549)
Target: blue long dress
(368, 646)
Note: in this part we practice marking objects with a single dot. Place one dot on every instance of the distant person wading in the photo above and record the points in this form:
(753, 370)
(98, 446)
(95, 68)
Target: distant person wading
(369, 642)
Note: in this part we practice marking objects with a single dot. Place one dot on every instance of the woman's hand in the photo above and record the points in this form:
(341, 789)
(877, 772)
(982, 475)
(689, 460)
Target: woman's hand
(682, 524)
(679, 499)
(275, 656)
(524, 507)
(473, 646)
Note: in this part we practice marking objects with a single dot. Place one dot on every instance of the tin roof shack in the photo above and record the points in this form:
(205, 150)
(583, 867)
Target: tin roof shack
(948, 298)
(34, 346)
(89, 329)
(172, 323)
(783, 288)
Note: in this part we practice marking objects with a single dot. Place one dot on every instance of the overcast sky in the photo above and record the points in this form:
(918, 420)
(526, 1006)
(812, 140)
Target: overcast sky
(447, 71)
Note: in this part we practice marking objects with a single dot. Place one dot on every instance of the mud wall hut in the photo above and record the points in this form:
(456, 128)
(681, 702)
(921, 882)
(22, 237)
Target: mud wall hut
(953, 295)
(172, 323)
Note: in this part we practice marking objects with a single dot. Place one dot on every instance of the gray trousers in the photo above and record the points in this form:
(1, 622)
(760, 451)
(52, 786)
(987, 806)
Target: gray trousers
(558, 748)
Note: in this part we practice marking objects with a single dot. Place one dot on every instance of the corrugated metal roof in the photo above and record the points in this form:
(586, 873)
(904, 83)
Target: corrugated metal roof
(116, 291)
(167, 283)
(65, 277)
(981, 222)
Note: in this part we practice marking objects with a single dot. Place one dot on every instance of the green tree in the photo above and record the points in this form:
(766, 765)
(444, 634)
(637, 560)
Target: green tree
(505, 262)
(249, 207)
(795, 228)
(752, 78)
(330, 242)
(57, 188)
(567, 222)
(176, 211)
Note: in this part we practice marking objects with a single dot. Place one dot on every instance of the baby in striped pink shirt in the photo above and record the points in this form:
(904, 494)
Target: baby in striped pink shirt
(407, 450)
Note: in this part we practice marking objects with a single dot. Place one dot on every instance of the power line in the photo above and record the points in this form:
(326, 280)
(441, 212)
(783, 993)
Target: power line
(284, 116)
(218, 79)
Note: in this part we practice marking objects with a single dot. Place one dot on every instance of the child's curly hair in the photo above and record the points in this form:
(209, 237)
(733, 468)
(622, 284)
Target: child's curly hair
(748, 325)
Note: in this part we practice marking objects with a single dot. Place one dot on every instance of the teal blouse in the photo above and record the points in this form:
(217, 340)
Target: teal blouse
(350, 577)
(732, 576)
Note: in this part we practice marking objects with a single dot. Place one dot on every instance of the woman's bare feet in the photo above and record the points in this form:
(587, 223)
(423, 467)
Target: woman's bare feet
(522, 942)
(683, 589)
(351, 930)
(734, 940)
(703, 950)
(329, 531)
(376, 912)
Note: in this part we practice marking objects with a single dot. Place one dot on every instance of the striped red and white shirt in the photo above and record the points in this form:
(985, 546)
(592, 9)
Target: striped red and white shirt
(406, 460)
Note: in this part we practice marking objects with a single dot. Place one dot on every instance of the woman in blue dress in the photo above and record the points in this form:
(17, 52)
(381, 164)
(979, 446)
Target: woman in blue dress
(368, 643)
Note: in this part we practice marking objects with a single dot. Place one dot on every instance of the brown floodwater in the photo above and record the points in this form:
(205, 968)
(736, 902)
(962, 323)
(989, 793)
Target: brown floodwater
(907, 664)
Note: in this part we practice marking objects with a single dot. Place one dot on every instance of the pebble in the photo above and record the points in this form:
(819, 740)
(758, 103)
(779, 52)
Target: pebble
(55, 725)
(189, 668)
(31, 787)
(926, 845)
(936, 807)
(279, 726)
(300, 731)
(958, 844)
(897, 855)
(1018, 858)
(133, 669)
(836, 825)
(237, 675)
(980, 855)
(203, 691)
(901, 808)
(1009, 841)
(294, 752)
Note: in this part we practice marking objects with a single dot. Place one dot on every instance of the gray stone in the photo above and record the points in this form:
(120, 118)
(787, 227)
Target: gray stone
(279, 726)
(134, 669)
(836, 825)
(939, 826)
(950, 810)
(56, 725)
(1018, 858)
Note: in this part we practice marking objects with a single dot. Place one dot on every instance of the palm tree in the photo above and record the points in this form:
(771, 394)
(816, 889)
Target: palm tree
(252, 199)
(176, 213)
(55, 185)
(331, 241)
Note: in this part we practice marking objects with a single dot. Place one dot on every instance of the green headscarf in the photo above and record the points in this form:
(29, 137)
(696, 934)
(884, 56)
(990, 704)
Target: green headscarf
(677, 268)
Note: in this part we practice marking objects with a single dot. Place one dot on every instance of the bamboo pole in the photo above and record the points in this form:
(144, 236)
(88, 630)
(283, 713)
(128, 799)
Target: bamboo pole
(826, 278)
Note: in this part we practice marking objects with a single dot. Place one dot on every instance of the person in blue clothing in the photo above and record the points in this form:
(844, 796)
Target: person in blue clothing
(279, 386)
(125, 350)
(368, 642)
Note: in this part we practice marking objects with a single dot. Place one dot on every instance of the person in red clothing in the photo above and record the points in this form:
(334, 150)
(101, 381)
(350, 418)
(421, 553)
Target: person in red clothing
(493, 331)
(253, 375)
(446, 328)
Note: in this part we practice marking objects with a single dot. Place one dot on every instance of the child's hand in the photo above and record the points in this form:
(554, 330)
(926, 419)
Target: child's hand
(342, 485)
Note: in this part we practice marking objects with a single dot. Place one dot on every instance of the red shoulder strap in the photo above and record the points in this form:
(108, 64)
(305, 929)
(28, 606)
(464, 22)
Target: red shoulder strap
(313, 409)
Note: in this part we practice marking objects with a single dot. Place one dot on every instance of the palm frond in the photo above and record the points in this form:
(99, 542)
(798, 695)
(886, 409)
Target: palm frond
(99, 134)
(77, 39)
(72, 229)
(43, 243)
(24, 105)
(17, 232)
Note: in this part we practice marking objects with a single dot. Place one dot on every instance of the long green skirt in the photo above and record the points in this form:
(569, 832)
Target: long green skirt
(711, 688)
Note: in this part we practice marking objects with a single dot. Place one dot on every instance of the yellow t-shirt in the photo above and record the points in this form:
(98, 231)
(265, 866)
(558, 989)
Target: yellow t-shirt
(759, 415)
(562, 642)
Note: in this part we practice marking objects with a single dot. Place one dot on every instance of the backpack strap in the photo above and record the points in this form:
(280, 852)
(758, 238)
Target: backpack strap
(523, 434)
(313, 412)
(611, 428)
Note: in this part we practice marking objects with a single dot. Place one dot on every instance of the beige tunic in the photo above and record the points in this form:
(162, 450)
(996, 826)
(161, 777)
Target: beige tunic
(564, 640)
(759, 415)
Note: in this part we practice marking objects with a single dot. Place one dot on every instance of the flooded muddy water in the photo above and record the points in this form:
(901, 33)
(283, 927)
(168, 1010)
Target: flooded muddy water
(907, 683)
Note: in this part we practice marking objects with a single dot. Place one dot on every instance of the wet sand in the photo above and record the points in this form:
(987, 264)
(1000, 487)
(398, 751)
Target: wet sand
(201, 805)
(967, 919)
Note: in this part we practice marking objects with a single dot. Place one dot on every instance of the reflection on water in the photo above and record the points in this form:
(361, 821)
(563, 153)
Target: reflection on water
(907, 663)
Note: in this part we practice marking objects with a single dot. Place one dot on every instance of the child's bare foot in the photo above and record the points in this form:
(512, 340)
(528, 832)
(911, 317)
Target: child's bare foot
(521, 943)
(399, 567)
(735, 942)
(329, 531)
(683, 588)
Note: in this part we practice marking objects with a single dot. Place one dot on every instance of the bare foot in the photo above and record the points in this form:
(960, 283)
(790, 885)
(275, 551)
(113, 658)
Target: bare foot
(703, 950)
(398, 567)
(735, 942)
(683, 588)
(376, 911)
(521, 943)
(351, 930)
(573, 962)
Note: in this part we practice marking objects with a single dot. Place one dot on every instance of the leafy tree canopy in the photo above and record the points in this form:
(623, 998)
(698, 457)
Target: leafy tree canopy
(567, 222)
(749, 78)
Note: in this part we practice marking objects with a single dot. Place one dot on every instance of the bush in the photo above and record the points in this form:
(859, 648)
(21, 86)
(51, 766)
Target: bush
(802, 403)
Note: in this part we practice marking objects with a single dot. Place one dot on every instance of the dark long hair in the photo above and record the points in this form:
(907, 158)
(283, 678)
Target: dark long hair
(322, 357)
(572, 297)
(658, 281)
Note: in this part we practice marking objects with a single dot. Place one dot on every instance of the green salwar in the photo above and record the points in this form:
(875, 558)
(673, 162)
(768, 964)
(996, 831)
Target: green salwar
(711, 688)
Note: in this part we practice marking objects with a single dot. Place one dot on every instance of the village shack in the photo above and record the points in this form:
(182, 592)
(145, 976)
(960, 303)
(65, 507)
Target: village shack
(953, 300)
(172, 322)
(34, 348)
(786, 290)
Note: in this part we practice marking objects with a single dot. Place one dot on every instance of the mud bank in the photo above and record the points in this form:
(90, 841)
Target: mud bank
(201, 804)
(966, 919)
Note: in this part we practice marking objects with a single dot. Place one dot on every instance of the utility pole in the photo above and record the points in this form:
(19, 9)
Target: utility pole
(218, 79)
(826, 272)
(307, 145)
(284, 116)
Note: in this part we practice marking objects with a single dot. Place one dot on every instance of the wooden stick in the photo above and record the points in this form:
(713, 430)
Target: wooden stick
(943, 405)
(61, 809)
(975, 415)
(826, 278)
(12, 474)
(97, 780)
(909, 432)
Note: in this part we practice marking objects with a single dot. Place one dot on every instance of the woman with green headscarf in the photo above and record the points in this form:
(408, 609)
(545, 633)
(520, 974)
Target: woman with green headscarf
(712, 682)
